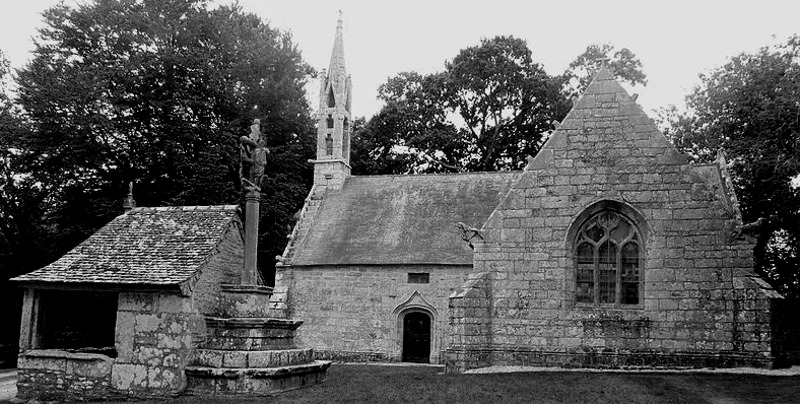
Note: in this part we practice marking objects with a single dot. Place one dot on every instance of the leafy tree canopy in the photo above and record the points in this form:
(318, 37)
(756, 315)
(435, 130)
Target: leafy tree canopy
(622, 62)
(158, 92)
(750, 108)
(490, 108)
(507, 101)
(411, 131)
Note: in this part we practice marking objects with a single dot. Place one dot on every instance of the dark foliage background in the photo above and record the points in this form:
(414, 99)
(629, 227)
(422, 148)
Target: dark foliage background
(151, 92)
(750, 109)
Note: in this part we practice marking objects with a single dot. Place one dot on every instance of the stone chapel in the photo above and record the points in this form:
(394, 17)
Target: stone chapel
(609, 249)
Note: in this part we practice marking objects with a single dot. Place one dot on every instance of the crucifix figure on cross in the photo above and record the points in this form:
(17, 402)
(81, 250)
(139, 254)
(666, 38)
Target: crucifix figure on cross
(253, 154)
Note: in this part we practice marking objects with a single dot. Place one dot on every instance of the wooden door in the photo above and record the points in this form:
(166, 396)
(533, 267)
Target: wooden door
(416, 337)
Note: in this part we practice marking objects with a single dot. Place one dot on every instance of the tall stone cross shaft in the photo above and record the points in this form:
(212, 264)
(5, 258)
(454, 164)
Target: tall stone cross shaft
(251, 200)
(253, 155)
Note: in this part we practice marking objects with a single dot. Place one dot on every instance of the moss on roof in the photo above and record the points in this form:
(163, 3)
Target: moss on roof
(408, 219)
(145, 246)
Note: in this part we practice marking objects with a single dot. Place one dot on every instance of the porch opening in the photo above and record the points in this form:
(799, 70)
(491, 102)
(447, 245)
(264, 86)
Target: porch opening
(77, 321)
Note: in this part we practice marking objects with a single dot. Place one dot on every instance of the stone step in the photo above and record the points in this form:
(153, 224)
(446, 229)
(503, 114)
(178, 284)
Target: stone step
(252, 359)
(243, 301)
(260, 381)
(250, 334)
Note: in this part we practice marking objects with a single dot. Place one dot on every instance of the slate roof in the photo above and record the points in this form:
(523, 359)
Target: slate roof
(159, 247)
(401, 219)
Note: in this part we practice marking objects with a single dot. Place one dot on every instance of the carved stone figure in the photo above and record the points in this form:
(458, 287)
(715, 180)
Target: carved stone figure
(468, 233)
(253, 157)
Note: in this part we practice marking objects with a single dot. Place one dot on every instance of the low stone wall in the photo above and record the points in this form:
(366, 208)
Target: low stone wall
(460, 360)
(255, 381)
(354, 356)
(60, 375)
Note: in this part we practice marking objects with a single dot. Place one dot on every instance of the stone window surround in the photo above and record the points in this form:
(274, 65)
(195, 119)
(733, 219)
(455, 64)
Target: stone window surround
(637, 219)
(419, 277)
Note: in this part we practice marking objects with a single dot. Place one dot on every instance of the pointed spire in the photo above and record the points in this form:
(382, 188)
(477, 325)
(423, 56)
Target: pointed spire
(336, 66)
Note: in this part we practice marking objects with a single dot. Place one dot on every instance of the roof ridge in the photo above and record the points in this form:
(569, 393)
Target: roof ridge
(436, 174)
(184, 208)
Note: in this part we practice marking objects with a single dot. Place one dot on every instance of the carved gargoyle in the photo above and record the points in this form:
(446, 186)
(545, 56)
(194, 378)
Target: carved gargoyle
(752, 229)
(468, 233)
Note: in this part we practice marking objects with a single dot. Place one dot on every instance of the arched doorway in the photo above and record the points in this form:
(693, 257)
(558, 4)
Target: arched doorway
(417, 337)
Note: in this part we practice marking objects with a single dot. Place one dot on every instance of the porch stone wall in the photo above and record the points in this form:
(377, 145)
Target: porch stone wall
(60, 375)
(157, 335)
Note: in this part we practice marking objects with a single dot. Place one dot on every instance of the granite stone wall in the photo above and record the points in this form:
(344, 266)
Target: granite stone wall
(701, 304)
(224, 267)
(469, 334)
(157, 335)
(59, 375)
(355, 313)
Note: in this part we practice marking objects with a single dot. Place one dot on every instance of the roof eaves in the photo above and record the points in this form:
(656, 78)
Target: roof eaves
(99, 286)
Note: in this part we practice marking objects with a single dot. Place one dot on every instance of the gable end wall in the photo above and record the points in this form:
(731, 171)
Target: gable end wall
(698, 307)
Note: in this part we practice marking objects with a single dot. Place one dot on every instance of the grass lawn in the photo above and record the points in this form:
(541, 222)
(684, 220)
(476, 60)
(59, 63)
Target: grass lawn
(409, 384)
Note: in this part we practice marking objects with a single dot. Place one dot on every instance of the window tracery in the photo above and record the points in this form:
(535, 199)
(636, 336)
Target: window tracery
(608, 261)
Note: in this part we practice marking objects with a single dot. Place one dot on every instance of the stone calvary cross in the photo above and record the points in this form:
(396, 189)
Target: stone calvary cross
(253, 158)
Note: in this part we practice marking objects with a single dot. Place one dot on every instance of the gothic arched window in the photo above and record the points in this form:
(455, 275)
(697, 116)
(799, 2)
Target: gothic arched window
(328, 145)
(608, 261)
(331, 98)
(329, 121)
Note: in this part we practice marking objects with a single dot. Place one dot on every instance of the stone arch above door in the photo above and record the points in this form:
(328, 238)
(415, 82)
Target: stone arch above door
(415, 304)
(416, 301)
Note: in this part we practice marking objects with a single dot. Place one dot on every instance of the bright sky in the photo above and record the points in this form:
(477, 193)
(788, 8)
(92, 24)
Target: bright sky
(675, 40)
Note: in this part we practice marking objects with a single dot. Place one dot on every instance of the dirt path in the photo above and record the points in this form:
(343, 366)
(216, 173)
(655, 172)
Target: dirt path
(8, 385)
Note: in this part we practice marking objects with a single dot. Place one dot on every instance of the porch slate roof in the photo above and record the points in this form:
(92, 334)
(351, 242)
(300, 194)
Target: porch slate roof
(401, 219)
(160, 247)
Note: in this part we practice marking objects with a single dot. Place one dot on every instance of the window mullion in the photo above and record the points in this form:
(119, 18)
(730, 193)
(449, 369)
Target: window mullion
(596, 274)
(618, 286)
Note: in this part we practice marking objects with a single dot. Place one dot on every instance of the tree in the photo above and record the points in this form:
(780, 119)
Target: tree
(504, 103)
(411, 132)
(507, 101)
(24, 234)
(750, 108)
(157, 93)
(622, 62)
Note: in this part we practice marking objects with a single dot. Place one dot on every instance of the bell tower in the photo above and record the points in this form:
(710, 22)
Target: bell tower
(334, 125)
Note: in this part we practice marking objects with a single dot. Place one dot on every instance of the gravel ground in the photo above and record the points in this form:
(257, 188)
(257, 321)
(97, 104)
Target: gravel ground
(793, 371)
(8, 385)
